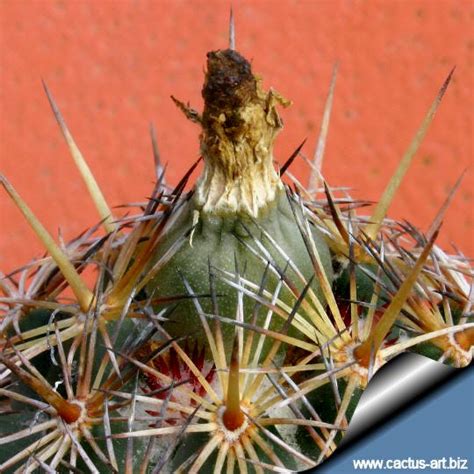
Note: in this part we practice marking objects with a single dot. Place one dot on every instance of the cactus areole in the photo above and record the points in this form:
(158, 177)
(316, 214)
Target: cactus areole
(240, 211)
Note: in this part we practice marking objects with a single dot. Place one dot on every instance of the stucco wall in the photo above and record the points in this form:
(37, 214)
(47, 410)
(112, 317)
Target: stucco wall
(113, 65)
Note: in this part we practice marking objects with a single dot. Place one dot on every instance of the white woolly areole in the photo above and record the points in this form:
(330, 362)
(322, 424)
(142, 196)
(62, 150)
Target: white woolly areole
(82, 416)
(230, 436)
(361, 371)
(462, 357)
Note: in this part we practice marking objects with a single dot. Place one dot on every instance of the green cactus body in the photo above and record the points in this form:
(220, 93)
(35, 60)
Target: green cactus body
(223, 241)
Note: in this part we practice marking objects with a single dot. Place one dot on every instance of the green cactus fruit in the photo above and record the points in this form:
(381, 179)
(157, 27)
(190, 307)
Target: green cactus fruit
(238, 200)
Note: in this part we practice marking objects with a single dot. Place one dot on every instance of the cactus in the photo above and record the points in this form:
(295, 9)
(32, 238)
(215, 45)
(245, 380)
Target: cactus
(231, 327)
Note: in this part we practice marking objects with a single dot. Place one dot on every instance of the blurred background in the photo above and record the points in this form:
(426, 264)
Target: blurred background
(112, 66)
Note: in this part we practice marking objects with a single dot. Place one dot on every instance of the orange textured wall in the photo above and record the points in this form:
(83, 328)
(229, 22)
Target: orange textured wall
(113, 65)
